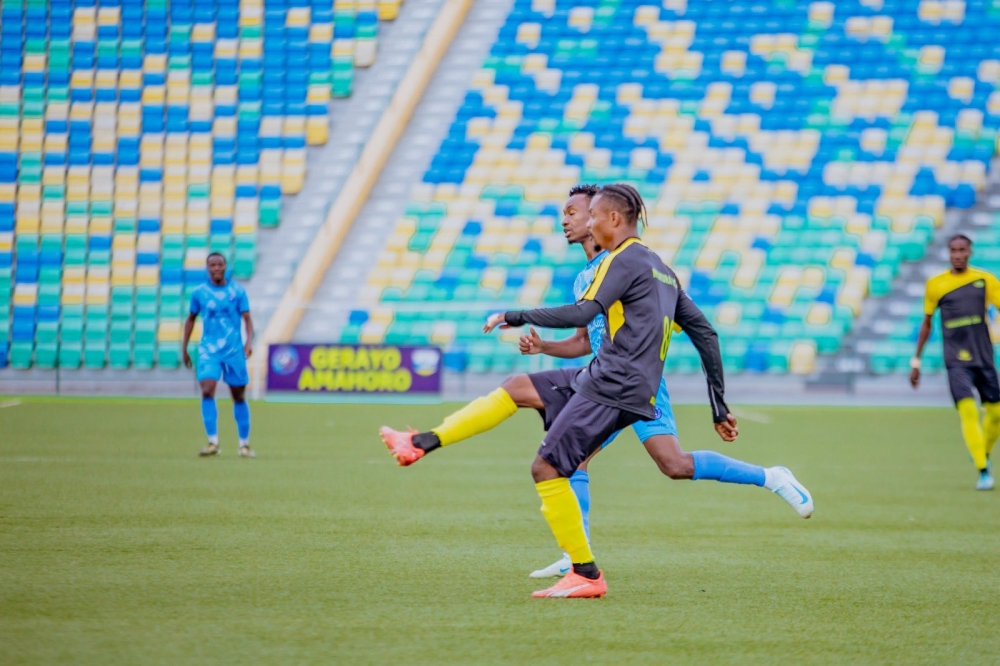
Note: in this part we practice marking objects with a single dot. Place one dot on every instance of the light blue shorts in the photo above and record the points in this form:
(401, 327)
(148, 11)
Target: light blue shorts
(231, 368)
(662, 424)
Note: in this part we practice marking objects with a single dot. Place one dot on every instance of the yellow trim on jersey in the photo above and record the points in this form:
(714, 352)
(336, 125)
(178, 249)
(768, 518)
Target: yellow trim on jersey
(947, 282)
(602, 270)
(616, 318)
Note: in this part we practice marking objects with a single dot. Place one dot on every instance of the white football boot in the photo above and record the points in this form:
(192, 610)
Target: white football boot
(781, 482)
(560, 568)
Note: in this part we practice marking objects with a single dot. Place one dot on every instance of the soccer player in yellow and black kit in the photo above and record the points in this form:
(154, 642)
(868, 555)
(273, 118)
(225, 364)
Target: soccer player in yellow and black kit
(641, 299)
(962, 294)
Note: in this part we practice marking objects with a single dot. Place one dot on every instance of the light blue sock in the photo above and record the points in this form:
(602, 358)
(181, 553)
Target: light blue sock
(210, 415)
(241, 411)
(580, 483)
(717, 467)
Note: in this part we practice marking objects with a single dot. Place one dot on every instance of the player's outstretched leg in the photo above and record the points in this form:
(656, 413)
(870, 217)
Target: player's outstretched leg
(482, 414)
(562, 512)
(210, 417)
(709, 465)
(241, 412)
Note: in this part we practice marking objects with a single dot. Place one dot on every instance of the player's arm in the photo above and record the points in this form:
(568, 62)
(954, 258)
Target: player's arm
(922, 337)
(706, 341)
(248, 345)
(574, 346)
(930, 305)
(244, 305)
(188, 329)
(610, 283)
(565, 316)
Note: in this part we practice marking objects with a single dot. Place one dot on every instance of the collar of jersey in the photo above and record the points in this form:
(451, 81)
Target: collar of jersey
(954, 281)
(597, 259)
(628, 241)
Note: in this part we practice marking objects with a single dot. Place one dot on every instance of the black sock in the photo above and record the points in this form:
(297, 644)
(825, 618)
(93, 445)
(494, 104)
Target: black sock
(587, 570)
(427, 441)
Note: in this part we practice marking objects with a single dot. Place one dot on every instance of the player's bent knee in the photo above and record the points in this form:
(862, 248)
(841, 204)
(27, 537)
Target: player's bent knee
(239, 393)
(678, 468)
(522, 391)
(208, 388)
(541, 470)
(671, 460)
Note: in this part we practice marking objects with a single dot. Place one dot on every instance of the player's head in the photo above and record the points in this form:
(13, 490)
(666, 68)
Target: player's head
(613, 207)
(959, 251)
(216, 264)
(576, 213)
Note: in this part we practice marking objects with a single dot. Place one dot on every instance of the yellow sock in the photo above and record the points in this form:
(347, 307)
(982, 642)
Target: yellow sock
(972, 431)
(480, 415)
(991, 425)
(562, 511)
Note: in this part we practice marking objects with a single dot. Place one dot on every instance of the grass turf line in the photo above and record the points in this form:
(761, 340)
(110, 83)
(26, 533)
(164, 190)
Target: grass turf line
(117, 544)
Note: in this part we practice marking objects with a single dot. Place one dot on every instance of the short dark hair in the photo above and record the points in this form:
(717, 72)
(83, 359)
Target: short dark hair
(960, 237)
(584, 188)
(627, 201)
(216, 254)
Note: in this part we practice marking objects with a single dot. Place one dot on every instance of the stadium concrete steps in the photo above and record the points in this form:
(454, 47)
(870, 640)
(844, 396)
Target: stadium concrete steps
(348, 273)
(352, 120)
(879, 316)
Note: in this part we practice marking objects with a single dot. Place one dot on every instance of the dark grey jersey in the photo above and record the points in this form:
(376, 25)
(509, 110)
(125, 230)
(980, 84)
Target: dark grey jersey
(644, 304)
(638, 294)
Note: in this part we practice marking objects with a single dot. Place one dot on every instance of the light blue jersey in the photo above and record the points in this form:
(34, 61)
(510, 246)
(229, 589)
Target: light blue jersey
(663, 423)
(220, 353)
(595, 329)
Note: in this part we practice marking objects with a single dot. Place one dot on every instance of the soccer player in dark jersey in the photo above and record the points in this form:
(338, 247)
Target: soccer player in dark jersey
(962, 295)
(641, 299)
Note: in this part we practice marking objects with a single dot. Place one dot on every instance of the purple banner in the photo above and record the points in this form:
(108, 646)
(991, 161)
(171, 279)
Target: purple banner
(354, 369)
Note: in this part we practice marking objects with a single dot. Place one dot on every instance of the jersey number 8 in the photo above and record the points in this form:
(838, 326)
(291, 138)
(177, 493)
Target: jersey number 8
(668, 330)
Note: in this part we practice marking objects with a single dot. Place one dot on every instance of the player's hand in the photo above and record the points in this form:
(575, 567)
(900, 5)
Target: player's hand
(493, 321)
(727, 429)
(915, 377)
(531, 343)
(247, 350)
(187, 359)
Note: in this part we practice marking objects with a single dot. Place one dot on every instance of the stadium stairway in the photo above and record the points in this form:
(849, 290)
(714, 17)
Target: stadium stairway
(885, 333)
(353, 118)
(348, 275)
(794, 156)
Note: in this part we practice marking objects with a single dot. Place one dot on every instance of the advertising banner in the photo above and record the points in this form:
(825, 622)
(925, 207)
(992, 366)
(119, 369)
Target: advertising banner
(354, 369)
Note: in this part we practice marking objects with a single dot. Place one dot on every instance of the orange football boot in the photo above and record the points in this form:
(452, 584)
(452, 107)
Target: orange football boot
(400, 445)
(575, 586)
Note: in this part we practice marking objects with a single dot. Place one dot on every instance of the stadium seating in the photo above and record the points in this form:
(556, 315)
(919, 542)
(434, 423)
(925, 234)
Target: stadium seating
(137, 136)
(792, 154)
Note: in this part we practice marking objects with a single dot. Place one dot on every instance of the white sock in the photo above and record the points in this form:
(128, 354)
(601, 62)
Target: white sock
(770, 482)
(213, 439)
(244, 442)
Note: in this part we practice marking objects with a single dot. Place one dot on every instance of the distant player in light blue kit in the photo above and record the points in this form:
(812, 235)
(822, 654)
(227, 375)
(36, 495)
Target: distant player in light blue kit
(659, 436)
(222, 353)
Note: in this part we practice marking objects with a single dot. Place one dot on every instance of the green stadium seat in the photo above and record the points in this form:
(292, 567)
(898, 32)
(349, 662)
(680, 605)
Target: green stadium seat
(120, 355)
(70, 355)
(21, 354)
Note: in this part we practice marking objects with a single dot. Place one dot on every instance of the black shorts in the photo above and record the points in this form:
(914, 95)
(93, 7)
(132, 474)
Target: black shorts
(576, 426)
(963, 379)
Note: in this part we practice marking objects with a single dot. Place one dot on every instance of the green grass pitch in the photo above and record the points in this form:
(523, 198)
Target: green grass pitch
(119, 545)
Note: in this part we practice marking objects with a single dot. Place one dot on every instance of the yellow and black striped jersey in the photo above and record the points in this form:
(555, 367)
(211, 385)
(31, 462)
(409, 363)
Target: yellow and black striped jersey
(963, 299)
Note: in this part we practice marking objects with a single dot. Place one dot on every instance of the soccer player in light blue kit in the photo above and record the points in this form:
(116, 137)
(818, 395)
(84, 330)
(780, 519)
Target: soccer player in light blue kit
(659, 436)
(222, 353)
